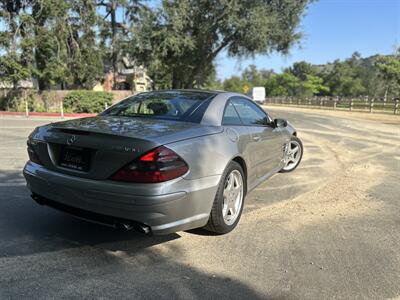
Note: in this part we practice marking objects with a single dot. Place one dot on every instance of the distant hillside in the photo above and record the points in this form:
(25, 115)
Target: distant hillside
(376, 76)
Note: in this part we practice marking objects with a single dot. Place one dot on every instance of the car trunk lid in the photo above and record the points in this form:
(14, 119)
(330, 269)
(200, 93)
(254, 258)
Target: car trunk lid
(97, 147)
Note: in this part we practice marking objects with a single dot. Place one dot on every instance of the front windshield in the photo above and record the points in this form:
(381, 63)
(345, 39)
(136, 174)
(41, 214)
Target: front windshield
(171, 105)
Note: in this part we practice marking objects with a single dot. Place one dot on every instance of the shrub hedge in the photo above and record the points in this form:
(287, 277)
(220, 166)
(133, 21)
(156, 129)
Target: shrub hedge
(87, 101)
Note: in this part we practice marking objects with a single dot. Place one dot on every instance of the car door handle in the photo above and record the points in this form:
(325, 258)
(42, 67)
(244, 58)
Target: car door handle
(256, 138)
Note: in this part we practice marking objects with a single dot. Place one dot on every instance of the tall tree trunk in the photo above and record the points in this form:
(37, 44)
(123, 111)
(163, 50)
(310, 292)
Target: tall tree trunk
(176, 81)
(113, 40)
(189, 84)
(386, 93)
(40, 62)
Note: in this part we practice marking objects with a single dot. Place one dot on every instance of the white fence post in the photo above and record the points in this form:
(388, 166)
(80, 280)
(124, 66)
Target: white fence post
(62, 109)
(26, 108)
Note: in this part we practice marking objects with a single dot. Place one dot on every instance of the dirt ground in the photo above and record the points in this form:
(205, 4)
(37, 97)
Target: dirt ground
(331, 229)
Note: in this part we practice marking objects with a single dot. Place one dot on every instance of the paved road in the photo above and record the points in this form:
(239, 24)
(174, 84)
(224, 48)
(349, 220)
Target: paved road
(328, 230)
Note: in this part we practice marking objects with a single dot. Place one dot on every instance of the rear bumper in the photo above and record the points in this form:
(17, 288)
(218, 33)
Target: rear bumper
(183, 205)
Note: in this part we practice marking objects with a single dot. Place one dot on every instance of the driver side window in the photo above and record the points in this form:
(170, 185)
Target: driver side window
(250, 113)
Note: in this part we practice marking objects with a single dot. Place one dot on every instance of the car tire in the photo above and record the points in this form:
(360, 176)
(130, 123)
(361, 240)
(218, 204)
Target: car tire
(222, 220)
(292, 165)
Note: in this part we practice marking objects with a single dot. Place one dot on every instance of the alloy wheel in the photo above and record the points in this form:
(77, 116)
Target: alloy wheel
(292, 155)
(233, 197)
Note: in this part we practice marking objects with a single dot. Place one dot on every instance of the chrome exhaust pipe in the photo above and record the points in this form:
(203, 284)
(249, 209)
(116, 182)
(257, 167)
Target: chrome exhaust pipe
(123, 226)
(139, 227)
(119, 224)
(144, 229)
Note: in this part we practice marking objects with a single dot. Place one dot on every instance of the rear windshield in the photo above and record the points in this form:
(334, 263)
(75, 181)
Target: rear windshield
(170, 105)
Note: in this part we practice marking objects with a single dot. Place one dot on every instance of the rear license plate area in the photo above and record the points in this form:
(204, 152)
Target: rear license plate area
(75, 158)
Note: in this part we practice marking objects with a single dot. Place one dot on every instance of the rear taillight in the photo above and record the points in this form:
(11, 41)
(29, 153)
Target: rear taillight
(158, 165)
(33, 157)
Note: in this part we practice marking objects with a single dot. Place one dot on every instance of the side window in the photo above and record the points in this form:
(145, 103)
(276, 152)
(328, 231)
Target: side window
(230, 116)
(250, 113)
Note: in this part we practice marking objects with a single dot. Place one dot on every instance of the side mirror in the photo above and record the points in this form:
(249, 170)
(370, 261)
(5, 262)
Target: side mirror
(280, 123)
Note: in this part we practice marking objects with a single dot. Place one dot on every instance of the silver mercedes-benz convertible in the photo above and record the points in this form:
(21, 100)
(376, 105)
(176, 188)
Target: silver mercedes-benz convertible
(161, 161)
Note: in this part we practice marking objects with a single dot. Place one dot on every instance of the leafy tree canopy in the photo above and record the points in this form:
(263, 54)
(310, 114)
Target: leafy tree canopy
(185, 36)
(389, 71)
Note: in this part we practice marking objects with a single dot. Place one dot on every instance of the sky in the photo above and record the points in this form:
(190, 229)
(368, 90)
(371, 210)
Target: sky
(333, 29)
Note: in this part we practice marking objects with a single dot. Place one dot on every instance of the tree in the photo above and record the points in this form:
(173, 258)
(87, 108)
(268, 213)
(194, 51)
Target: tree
(285, 84)
(234, 84)
(290, 82)
(85, 54)
(187, 35)
(389, 71)
(212, 82)
(274, 87)
(16, 60)
(309, 82)
(368, 74)
(343, 80)
(254, 77)
(112, 29)
(50, 42)
(302, 69)
(65, 48)
(314, 85)
(115, 32)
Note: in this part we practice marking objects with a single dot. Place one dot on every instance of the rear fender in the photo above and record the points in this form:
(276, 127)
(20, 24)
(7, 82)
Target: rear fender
(209, 155)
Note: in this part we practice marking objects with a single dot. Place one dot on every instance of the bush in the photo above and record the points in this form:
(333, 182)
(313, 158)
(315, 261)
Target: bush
(87, 101)
(14, 100)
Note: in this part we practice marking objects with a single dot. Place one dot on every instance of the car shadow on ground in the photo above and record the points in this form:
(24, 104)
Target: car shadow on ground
(28, 228)
(58, 250)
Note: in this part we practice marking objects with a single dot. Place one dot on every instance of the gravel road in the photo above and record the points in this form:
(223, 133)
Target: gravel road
(331, 229)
